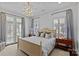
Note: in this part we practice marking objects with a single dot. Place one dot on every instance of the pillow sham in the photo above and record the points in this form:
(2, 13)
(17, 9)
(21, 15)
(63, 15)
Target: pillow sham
(53, 35)
(47, 36)
(42, 34)
(37, 34)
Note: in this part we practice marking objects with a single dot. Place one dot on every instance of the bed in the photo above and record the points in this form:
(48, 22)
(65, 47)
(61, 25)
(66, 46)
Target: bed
(36, 46)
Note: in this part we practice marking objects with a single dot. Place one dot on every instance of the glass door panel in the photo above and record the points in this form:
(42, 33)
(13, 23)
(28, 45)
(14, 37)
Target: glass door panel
(18, 27)
(10, 33)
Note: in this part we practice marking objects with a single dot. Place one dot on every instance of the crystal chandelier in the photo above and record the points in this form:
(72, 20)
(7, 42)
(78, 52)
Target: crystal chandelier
(28, 9)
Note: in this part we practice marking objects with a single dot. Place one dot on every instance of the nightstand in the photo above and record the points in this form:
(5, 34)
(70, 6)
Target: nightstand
(65, 44)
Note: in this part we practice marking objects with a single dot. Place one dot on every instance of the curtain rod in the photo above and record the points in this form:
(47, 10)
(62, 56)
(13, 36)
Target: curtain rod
(11, 14)
(53, 13)
(59, 12)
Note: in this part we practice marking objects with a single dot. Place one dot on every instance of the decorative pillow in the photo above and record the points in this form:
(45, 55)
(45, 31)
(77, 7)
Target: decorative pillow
(42, 34)
(37, 34)
(47, 36)
(53, 35)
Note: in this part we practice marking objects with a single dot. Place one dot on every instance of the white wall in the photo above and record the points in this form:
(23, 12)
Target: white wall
(75, 19)
(45, 21)
(78, 29)
(27, 25)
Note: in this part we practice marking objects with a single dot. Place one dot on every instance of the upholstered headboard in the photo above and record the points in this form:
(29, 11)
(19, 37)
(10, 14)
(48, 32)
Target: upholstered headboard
(48, 31)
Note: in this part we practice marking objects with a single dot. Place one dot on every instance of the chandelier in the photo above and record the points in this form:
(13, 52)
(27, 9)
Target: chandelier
(28, 9)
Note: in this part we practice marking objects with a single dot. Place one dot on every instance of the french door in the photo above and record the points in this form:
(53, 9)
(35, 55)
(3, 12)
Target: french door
(13, 28)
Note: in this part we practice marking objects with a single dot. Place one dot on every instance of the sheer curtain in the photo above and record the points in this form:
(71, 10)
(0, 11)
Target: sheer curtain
(70, 27)
(2, 30)
(69, 18)
(23, 27)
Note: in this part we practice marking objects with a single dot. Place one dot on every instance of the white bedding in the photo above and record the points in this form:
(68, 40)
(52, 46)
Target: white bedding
(47, 44)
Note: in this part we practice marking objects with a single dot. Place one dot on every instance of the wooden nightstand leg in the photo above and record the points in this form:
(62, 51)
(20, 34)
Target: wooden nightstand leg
(73, 53)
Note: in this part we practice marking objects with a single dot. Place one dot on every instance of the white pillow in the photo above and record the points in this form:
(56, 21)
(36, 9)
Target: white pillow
(52, 35)
(47, 36)
(37, 34)
(42, 35)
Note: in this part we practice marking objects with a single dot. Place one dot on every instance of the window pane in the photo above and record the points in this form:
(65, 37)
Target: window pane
(62, 21)
(62, 28)
(10, 33)
(18, 29)
(9, 18)
(19, 20)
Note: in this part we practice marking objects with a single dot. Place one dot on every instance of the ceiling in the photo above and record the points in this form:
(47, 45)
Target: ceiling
(38, 8)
